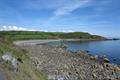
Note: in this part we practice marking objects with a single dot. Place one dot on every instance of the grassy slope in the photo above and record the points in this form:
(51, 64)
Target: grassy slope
(26, 69)
(25, 35)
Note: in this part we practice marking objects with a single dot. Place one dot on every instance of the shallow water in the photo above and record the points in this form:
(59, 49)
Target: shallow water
(110, 48)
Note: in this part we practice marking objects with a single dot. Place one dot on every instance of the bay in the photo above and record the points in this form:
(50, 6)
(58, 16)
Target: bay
(110, 48)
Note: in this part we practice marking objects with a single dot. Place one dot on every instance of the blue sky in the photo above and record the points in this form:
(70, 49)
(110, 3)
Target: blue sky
(95, 16)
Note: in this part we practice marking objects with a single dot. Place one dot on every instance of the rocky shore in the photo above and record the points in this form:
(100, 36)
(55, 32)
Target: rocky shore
(59, 64)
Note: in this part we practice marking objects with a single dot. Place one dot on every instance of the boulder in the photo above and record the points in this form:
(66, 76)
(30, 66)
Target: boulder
(7, 57)
(15, 64)
(106, 60)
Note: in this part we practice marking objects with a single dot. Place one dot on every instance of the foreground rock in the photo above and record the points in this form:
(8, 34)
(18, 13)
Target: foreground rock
(7, 57)
(60, 64)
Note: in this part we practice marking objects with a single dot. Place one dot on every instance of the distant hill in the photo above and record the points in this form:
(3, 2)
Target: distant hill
(25, 35)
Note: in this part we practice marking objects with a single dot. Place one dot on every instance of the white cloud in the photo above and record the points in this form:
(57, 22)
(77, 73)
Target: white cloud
(15, 28)
(70, 6)
(66, 8)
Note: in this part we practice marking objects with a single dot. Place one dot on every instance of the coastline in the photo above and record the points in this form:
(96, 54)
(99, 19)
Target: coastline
(34, 42)
(57, 62)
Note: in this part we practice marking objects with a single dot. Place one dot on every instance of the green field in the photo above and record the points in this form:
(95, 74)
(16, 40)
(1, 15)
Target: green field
(25, 35)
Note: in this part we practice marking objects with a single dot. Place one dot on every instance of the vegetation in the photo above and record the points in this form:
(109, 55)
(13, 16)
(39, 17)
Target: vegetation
(26, 71)
(25, 35)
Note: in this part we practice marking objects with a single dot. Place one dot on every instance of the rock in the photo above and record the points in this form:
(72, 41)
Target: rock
(96, 56)
(7, 57)
(94, 75)
(106, 60)
(92, 58)
(56, 77)
(103, 59)
(73, 66)
(106, 65)
(69, 73)
(101, 67)
(15, 64)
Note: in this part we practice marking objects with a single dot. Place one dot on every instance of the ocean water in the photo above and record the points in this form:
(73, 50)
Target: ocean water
(110, 48)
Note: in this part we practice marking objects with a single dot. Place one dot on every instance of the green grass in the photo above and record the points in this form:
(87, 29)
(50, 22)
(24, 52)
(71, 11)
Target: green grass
(26, 69)
(26, 35)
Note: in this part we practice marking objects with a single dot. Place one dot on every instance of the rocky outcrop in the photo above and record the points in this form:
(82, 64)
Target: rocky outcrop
(7, 57)
(60, 64)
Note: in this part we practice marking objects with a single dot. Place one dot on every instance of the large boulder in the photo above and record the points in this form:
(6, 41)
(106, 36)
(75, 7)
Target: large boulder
(8, 57)
(15, 64)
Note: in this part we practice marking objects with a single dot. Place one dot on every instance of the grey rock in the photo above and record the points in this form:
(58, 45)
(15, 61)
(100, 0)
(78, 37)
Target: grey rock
(57, 61)
(8, 57)
(106, 60)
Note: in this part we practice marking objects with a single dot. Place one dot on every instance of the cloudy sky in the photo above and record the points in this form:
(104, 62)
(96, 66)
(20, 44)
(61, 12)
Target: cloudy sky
(95, 16)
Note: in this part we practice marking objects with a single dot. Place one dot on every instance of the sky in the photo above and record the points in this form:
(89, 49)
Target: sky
(99, 17)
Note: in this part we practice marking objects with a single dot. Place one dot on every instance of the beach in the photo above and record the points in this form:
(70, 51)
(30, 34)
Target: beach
(57, 62)
(34, 42)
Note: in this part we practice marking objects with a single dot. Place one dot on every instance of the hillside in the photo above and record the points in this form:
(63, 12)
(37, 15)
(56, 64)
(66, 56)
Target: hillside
(25, 35)
(26, 70)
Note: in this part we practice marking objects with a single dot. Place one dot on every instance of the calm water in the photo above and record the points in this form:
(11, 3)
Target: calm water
(109, 48)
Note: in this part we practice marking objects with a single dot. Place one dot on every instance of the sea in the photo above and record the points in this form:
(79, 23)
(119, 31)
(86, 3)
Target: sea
(108, 48)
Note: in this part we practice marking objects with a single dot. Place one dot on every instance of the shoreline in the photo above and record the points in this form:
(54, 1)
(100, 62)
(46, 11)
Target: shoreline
(34, 42)
(46, 42)
(57, 62)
